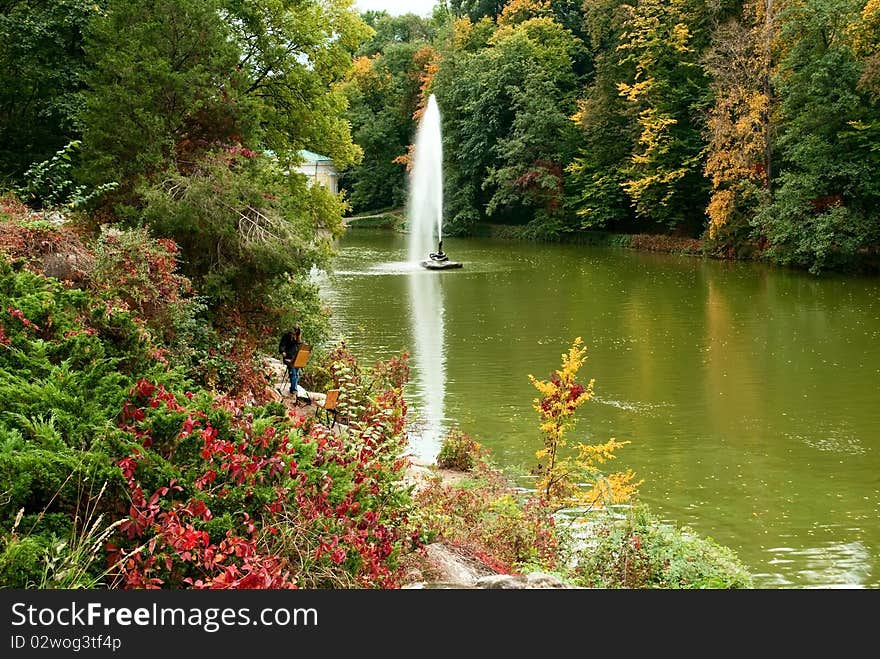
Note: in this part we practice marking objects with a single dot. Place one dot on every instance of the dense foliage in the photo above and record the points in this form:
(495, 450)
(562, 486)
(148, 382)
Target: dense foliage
(155, 235)
(119, 470)
(187, 118)
(42, 69)
(512, 530)
(752, 125)
(637, 550)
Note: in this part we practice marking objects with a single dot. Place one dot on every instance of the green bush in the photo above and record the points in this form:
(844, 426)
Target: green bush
(638, 551)
(22, 560)
(67, 361)
(50, 184)
(458, 451)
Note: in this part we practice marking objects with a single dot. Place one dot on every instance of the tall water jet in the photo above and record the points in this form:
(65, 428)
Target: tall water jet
(425, 207)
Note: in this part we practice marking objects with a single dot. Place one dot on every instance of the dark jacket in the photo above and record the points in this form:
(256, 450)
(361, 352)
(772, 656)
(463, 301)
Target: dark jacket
(288, 347)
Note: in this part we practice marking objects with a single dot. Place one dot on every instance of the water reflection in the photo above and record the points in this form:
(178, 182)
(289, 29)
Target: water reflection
(429, 364)
(832, 565)
(749, 395)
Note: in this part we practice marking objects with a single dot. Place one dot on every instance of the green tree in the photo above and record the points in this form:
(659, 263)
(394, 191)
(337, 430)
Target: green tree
(824, 208)
(200, 109)
(175, 78)
(597, 174)
(532, 157)
(390, 30)
(164, 84)
(385, 92)
(295, 55)
(42, 65)
(476, 9)
(244, 226)
(523, 69)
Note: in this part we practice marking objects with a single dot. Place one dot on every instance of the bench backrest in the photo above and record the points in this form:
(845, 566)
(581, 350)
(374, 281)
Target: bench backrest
(330, 400)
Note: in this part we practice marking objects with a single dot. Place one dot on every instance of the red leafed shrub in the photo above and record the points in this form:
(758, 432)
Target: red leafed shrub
(139, 274)
(260, 498)
(485, 517)
(52, 249)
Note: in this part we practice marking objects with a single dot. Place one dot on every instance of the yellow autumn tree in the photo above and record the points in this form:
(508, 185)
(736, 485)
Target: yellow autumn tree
(566, 480)
(519, 11)
(739, 126)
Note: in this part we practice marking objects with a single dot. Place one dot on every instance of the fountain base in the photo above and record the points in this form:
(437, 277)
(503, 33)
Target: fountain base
(439, 261)
(446, 264)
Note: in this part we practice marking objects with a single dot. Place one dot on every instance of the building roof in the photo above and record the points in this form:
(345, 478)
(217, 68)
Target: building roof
(311, 156)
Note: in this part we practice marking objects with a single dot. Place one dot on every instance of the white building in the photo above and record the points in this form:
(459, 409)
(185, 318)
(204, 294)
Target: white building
(320, 170)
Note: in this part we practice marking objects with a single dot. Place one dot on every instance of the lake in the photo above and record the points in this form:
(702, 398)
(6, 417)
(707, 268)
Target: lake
(749, 393)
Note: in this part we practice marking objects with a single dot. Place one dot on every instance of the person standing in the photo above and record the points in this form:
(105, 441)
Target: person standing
(288, 347)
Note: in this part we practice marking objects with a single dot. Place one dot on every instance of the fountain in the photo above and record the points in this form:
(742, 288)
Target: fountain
(425, 208)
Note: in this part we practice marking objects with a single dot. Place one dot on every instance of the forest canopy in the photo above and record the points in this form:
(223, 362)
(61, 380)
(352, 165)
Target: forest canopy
(753, 125)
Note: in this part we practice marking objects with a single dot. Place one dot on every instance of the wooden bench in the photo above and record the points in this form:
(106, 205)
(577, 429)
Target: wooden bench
(328, 405)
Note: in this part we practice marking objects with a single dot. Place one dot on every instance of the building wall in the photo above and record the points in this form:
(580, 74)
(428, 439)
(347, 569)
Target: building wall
(321, 173)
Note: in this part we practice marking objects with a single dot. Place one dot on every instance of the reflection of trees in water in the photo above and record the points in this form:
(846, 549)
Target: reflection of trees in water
(787, 457)
(428, 363)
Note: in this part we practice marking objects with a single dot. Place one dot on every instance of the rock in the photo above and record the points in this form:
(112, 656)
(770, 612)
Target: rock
(537, 580)
(445, 567)
(544, 580)
(433, 585)
(453, 567)
(275, 369)
(418, 476)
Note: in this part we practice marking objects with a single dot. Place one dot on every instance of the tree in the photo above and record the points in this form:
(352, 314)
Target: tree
(390, 30)
(824, 207)
(476, 9)
(243, 225)
(666, 93)
(386, 91)
(42, 65)
(295, 55)
(176, 78)
(739, 127)
(866, 42)
(565, 481)
(165, 84)
(199, 108)
(497, 163)
(597, 173)
(532, 156)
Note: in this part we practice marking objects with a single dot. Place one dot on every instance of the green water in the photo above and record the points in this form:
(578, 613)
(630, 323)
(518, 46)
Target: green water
(750, 394)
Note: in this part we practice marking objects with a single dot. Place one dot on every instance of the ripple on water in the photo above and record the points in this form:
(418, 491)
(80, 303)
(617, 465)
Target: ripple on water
(647, 409)
(832, 565)
(831, 439)
(383, 268)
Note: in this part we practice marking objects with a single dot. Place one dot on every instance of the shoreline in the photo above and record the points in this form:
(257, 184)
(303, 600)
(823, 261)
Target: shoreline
(868, 264)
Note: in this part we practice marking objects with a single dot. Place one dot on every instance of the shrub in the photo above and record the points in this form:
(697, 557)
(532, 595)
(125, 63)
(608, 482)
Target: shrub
(55, 250)
(50, 184)
(565, 481)
(458, 451)
(139, 274)
(66, 361)
(260, 501)
(491, 520)
(638, 551)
